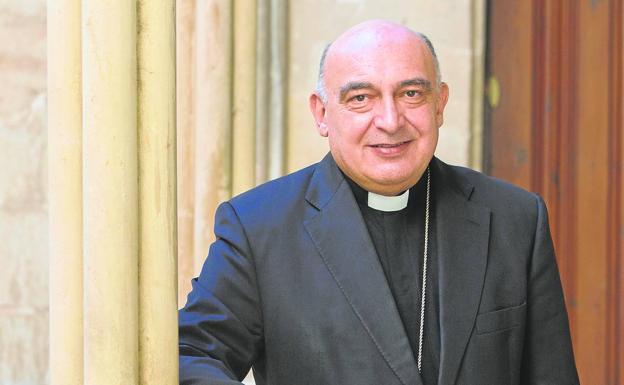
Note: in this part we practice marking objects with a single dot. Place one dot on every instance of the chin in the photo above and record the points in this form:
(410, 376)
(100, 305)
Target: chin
(394, 182)
(392, 175)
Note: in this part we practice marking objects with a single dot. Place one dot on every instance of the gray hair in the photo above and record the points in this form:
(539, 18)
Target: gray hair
(321, 90)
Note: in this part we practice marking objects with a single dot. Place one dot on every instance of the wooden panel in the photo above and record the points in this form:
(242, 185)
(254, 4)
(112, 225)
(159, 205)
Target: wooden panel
(567, 116)
(615, 305)
(563, 228)
(510, 121)
(591, 186)
(552, 174)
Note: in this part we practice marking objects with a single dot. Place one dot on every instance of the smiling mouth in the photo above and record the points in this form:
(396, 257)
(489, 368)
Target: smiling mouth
(385, 145)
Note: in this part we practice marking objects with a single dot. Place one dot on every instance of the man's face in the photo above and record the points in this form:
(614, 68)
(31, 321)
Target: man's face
(383, 109)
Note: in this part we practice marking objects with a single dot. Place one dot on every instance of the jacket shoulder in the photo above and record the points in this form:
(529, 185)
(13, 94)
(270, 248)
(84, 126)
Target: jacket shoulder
(501, 197)
(493, 191)
(274, 196)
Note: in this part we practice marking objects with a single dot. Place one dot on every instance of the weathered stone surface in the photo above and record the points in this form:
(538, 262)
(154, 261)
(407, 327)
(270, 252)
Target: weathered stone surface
(23, 189)
(24, 346)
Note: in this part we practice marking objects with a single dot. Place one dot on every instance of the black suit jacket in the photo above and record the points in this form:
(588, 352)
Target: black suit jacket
(293, 286)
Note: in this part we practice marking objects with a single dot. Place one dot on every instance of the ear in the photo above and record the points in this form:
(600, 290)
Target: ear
(317, 107)
(442, 98)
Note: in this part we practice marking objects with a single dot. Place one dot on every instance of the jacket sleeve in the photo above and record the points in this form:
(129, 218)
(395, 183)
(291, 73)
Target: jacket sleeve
(220, 327)
(547, 356)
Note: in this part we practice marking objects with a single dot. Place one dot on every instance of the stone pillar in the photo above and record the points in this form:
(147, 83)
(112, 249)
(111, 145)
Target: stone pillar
(263, 89)
(213, 113)
(113, 266)
(110, 188)
(271, 81)
(65, 191)
(477, 80)
(158, 321)
(185, 53)
(244, 113)
(279, 80)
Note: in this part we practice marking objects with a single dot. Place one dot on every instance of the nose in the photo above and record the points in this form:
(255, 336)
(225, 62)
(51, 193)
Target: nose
(389, 117)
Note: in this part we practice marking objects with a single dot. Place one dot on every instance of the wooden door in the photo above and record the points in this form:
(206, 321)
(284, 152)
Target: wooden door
(555, 125)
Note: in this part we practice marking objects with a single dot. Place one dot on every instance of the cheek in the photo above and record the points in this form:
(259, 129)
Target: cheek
(349, 128)
(423, 120)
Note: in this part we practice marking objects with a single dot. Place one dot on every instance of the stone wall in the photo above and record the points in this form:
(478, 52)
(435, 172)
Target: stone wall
(23, 186)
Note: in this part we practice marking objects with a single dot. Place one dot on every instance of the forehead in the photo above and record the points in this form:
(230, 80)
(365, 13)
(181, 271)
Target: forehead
(379, 59)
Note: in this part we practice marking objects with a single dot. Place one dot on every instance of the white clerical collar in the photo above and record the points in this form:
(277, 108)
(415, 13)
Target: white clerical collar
(386, 203)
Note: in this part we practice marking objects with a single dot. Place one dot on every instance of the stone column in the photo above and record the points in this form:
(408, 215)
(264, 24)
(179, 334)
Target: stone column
(158, 322)
(65, 191)
(185, 84)
(213, 113)
(271, 81)
(477, 80)
(244, 113)
(263, 89)
(279, 80)
(110, 188)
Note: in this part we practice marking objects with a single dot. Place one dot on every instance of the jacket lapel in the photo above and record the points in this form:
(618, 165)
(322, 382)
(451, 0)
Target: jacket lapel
(462, 236)
(340, 235)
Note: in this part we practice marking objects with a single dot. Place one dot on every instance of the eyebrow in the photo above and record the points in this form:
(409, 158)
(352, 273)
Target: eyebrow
(416, 82)
(351, 86)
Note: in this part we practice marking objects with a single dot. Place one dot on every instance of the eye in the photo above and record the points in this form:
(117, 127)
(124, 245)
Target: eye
(361, 101)
(412, 93)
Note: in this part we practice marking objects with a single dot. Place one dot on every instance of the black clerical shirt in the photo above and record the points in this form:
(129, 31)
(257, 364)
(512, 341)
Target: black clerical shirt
(398, 238)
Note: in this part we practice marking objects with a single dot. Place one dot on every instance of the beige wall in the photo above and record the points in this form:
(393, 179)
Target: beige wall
(23, 200)
(455, 29)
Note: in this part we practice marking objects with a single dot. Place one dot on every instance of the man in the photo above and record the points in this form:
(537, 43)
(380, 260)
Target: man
(381, 264)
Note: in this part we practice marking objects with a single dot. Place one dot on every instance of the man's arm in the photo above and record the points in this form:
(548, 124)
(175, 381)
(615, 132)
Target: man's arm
(221, 324)
(547, 356)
